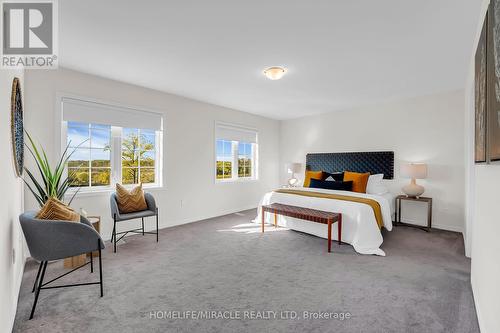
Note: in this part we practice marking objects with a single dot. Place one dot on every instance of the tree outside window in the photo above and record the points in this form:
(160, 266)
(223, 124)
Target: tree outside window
(138, 156)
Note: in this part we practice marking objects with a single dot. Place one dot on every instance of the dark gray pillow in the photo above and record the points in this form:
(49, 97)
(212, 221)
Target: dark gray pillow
(331, 185)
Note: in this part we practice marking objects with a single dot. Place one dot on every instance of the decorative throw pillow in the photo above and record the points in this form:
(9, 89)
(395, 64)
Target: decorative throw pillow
(130, 201)
(359, 180)
(53, 209)
(312, 175)
(331, 185)
(375, 185)
(336, 176)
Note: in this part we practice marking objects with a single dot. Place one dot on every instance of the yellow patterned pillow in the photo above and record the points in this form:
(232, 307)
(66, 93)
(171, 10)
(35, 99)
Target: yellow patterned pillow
(359, 180)
(55, 210)
(312, 175)
(130, 201)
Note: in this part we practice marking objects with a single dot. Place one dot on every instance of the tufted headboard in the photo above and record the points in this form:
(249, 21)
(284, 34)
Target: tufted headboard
(373, 162)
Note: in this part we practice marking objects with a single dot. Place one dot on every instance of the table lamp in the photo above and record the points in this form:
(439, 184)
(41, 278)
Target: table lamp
(414, 171)
(293, 168)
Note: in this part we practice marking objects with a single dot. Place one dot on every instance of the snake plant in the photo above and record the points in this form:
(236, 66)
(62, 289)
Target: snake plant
(54, 183)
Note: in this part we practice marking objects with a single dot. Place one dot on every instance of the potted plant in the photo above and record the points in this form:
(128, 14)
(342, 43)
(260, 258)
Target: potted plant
(54, 183)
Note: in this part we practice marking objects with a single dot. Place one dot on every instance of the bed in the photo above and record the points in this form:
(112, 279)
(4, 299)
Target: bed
(362, 225)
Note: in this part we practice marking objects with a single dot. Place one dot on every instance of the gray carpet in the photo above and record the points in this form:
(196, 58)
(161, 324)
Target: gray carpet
(224, 264)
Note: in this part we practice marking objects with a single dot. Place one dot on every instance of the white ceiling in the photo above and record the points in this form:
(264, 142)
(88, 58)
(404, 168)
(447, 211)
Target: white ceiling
(339, 53)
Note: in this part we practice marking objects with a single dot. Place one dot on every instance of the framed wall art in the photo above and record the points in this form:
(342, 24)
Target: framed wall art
(17, 127)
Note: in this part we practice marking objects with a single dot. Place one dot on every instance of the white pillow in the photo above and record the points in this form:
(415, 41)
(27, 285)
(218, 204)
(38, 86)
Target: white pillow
(375, 185)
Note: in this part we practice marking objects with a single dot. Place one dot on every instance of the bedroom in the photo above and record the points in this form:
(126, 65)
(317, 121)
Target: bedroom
(222, 138)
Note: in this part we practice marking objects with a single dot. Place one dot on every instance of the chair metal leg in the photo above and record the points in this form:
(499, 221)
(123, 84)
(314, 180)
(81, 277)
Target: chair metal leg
(37, 276)
(100, 267)
(114, 233)
(38, 289)
(142, 218)
(91, 262)
(157, 225)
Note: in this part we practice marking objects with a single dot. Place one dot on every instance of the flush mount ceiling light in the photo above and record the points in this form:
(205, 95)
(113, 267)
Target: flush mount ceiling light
(275, 72)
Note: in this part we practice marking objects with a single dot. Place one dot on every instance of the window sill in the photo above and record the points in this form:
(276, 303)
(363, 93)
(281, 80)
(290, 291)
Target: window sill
(104, 191)
(239, 180)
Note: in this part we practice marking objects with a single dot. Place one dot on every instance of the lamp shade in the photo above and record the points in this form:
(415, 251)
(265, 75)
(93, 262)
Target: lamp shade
(414, 170)
(293, 167)
(275, 72)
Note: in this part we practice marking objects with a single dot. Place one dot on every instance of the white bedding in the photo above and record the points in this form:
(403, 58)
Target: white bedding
(359, 226)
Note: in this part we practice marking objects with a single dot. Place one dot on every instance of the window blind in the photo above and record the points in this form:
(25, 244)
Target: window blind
(235, 133)
(99, 113)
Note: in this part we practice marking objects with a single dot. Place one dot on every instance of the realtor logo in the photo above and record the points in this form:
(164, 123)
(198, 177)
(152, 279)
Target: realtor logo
(29, 32)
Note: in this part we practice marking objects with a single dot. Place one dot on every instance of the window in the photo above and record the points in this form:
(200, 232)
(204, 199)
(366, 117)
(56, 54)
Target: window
(138, 156)
(90, 163)
(107, 150)
(235, 153)
(245, 159)
(224, 159)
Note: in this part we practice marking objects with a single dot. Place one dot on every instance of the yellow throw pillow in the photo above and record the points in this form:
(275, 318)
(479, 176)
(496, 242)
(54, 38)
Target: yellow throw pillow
(130, 201)
(359, 180)
(312, 175)
(55, 210)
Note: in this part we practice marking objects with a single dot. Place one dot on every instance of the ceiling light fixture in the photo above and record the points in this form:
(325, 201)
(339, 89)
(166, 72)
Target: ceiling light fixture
(275, 72)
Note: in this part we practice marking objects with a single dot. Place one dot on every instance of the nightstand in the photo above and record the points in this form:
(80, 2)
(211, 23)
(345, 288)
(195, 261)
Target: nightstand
(398, 222)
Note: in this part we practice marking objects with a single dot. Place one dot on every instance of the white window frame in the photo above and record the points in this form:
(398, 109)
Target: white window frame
(116, 149)
(234, 166)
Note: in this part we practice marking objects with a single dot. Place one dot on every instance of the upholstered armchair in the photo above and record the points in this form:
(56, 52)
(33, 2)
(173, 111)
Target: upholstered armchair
(118, 217)
(53, 240)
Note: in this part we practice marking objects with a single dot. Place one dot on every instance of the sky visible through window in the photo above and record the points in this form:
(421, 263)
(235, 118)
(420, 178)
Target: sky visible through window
(224, 151)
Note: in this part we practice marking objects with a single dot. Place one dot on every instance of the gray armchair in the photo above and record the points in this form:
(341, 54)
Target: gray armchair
(54, 240)
(118, 217)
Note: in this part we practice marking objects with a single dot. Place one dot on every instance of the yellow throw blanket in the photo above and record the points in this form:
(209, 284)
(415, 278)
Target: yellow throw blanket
(370, 202)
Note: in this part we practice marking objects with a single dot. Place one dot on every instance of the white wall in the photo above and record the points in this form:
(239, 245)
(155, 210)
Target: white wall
(483, 212)
(11, 240)
(188, 146)
(424, 129)
(485, 266)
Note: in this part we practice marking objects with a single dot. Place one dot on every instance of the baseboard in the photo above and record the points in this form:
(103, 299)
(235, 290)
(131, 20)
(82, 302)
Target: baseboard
(436, 226)
(448, 228)
(478, 310)
(206, 217)
(18, 290)
(194, 219)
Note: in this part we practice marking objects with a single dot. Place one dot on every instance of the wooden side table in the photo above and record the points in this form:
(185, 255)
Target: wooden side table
(73, 262)
(398, 222)
(96, 223)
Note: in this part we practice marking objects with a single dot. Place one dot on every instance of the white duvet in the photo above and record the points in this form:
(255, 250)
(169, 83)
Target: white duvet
(359, 226)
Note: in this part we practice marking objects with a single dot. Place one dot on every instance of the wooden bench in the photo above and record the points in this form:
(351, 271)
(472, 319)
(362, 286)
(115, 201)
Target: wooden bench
(307, 214)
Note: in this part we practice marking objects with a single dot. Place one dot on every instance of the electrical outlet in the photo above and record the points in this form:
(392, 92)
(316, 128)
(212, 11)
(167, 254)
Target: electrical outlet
(13, 256)
(182, 203)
